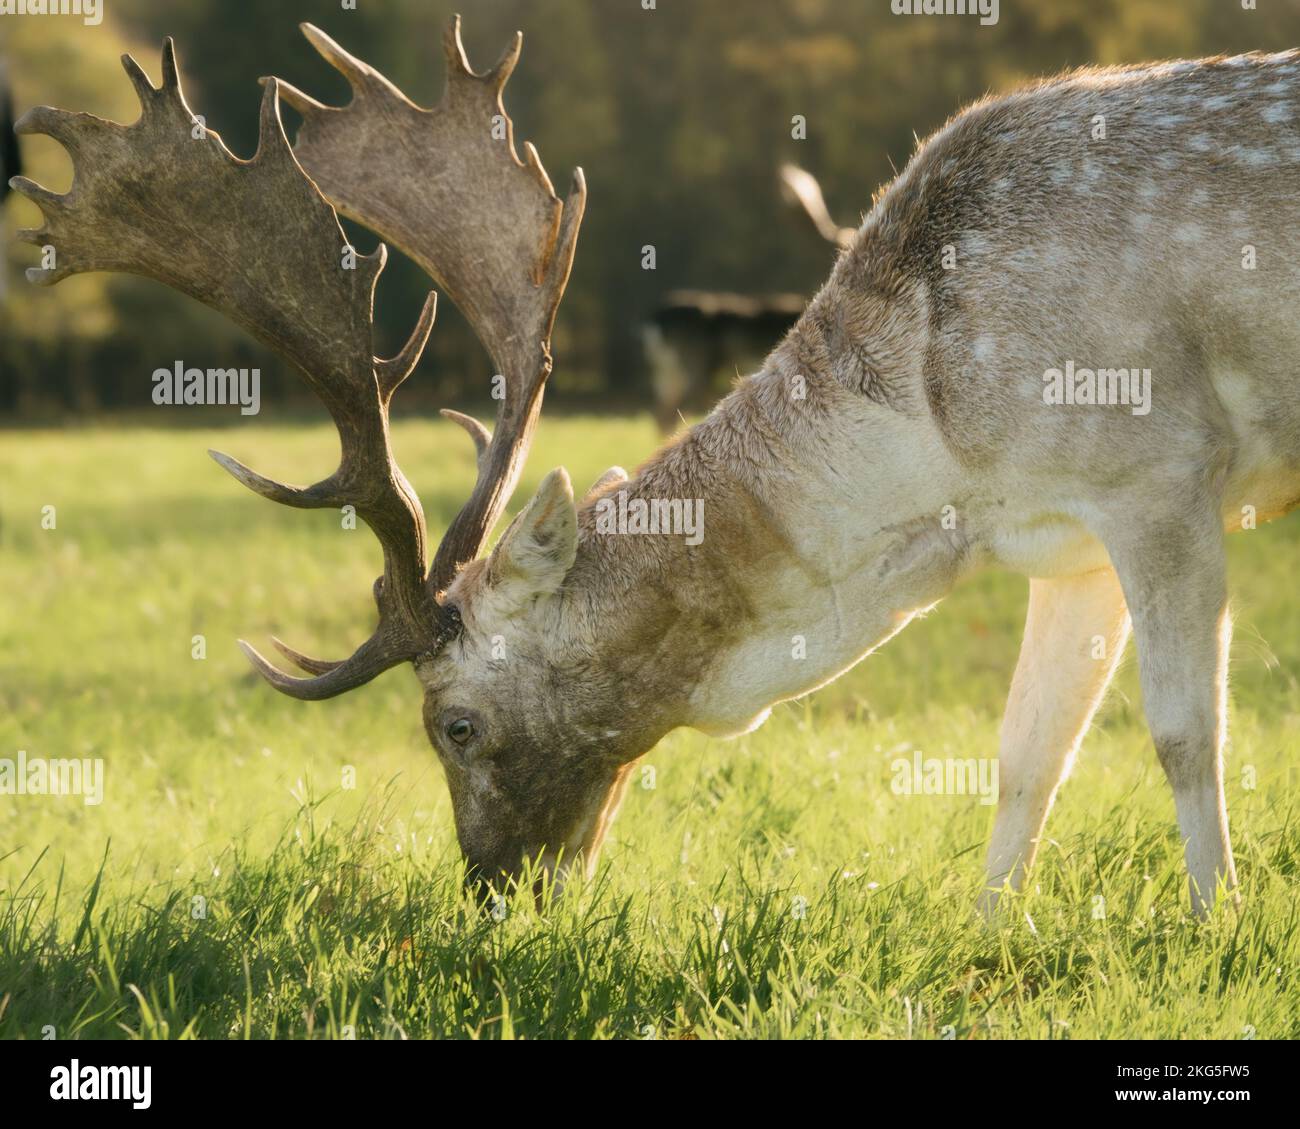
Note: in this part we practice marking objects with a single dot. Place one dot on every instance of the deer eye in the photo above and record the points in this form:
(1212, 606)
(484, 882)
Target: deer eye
(461, 730)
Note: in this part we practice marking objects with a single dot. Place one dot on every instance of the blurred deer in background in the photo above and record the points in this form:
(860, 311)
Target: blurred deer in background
(909, 429)
(696, 334)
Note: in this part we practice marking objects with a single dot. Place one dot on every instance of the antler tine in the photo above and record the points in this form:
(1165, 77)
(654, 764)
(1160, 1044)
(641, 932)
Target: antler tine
(397, 368)
(301, 661)
(144, 89)
(447, 186)
(256, 240)
(504, 67)
(360, 75)
(481, 436)
(369, 659)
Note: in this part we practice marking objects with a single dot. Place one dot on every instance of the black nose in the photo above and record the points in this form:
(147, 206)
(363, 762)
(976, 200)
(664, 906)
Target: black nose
(488, 887)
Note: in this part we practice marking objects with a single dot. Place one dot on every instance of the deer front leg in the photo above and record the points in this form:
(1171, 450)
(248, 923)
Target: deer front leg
(1075, 632)
(1174, 579)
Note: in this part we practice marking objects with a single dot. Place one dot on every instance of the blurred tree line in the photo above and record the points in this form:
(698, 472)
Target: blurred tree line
(680, 115)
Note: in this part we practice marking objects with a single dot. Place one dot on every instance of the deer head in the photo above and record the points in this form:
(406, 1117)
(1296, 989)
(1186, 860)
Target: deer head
(532, 772)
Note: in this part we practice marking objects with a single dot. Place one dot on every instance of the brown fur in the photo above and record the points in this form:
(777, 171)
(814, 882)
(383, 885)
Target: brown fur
(1122, 251)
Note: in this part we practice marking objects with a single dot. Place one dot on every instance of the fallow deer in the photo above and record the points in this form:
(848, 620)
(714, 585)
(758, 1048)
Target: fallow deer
(902, 435)
(694, 335)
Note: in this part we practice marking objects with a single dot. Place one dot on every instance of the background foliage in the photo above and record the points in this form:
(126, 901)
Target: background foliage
(680, 117)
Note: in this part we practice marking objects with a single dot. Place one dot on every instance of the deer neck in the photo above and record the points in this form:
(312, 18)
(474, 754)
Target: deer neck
(821, 532)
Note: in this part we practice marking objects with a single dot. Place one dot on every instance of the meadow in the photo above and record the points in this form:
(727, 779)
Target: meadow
(264, 868)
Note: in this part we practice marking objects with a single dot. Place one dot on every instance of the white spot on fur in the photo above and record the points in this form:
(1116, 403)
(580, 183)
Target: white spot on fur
(1055, 255)
(1023, 258)
(1255, 157)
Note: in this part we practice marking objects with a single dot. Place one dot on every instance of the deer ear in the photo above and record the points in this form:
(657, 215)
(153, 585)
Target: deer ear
(539, 546)
(615, 476)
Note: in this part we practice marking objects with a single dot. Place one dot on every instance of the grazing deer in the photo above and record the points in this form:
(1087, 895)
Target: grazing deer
(908, 430)
(695, 333)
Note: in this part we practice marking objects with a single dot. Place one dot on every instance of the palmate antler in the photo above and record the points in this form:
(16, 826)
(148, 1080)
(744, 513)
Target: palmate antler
(446, 186)
(257, 240)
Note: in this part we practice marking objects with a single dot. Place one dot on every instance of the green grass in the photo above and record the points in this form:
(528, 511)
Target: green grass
(231, 885)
